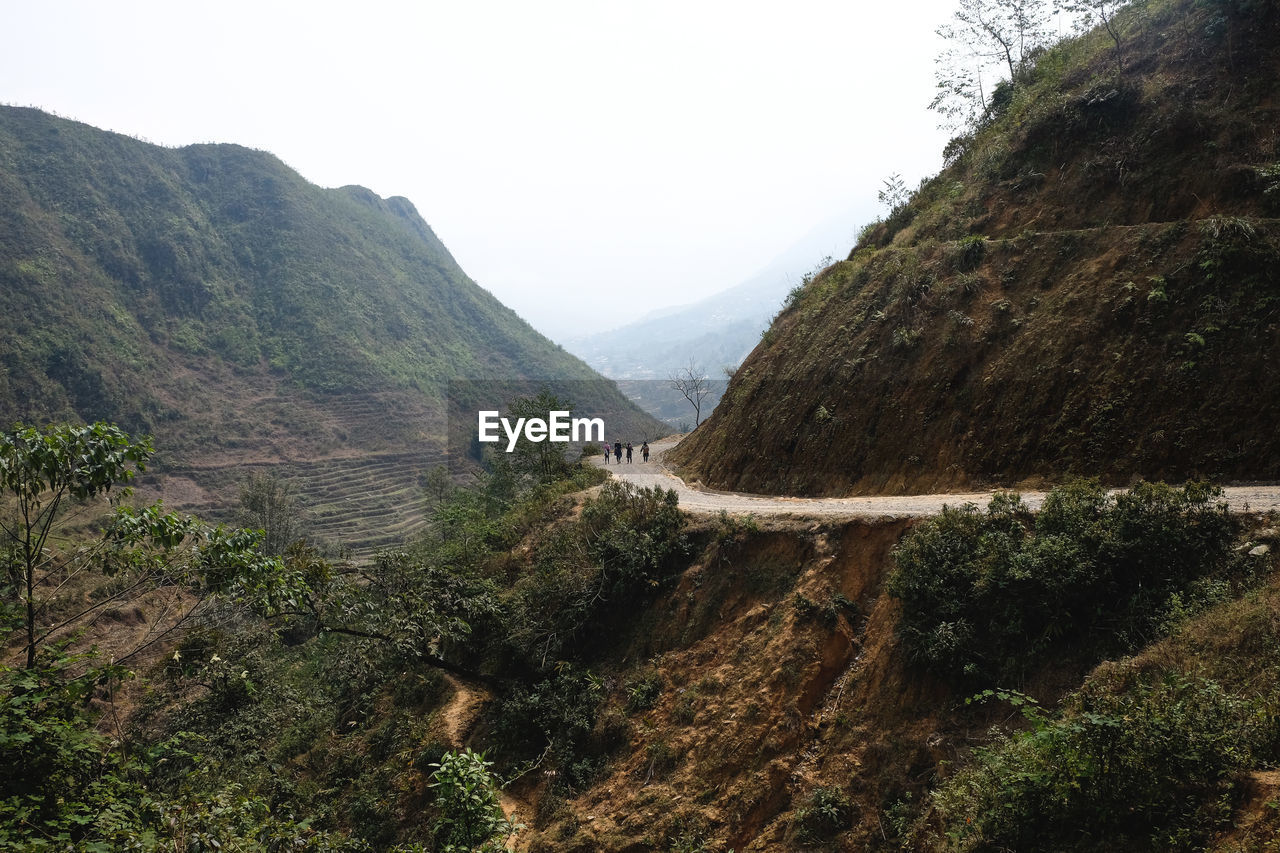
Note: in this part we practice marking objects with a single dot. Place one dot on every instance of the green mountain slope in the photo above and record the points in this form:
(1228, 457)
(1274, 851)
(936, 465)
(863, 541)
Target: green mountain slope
(1091, 287)
(213, 297)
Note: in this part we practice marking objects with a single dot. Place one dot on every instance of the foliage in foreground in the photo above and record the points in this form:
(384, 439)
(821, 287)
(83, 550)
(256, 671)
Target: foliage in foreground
(1148, 766)
(324, 709)
(989, 597)
(75, 789)
(470, 817)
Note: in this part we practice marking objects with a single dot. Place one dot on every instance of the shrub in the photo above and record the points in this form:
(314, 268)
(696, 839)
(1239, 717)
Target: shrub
(826, 812)
(967, 253)
(643, 693)
(636, 534)
(1150, 767)
(554, 717)
(590, 575)
(988, 596)
(470, 817)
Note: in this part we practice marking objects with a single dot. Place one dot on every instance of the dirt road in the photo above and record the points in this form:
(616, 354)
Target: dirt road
(697, 499)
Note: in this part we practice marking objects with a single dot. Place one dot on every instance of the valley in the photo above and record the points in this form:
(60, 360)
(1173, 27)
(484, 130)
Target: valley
(977, 551)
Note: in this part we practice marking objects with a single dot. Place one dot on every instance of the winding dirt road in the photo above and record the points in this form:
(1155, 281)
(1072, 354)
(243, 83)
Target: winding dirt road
(698, 499)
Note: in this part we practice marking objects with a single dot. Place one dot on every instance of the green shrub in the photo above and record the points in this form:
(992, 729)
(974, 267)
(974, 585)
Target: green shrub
(643, 693)
(967, 253)
(988, 596)
(636, 534)
(590, 575)
(825, 813)
(1151, 767)
(552, 718)
(470, 817)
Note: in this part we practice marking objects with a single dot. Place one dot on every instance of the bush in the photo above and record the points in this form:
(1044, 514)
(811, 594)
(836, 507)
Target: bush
(590, 575)
(470, 817)
(967, 253)
(824, 814)
(636, 534)
(553, 718)
(643, 693)
(1150, 767)
(990, 596)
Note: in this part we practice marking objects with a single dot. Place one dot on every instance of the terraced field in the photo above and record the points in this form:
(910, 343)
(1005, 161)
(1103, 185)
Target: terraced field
(357, 504)
(356, 473)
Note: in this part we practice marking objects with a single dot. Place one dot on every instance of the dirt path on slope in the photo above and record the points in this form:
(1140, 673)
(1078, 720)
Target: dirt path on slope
(460, 717)
(699, 499)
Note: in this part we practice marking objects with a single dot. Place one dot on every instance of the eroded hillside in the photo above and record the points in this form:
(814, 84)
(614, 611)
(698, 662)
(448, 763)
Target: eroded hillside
(767, 702)
(1088, 289)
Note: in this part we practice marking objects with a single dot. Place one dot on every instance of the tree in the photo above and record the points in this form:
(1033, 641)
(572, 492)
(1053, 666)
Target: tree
(984, 36)
(269, 504)
(1091, 13)
(894, 195)
(692, 384)
(48, 472)
(543, 461)
(43, 471)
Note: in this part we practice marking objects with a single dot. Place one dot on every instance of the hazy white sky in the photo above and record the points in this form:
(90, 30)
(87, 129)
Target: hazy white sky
(570, 154)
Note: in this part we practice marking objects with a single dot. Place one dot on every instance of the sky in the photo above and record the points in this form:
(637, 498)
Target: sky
(586, 162)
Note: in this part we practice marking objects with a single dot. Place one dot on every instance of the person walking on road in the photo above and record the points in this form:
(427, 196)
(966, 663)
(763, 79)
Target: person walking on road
(617, 452)
(607, 451)
(628, 453)
(644, 452)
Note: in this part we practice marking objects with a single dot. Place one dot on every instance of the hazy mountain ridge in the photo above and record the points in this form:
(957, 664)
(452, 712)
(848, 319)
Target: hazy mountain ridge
(715, 332)
(212, 296)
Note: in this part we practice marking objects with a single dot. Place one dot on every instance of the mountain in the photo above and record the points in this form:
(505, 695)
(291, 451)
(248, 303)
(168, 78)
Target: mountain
(714, 333)
(1091, 288)
(717, 331)
(249, 319)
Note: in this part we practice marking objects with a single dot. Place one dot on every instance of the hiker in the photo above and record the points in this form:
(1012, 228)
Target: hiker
(644, 451)
(617, 452)
(628, 453)
(606, 453)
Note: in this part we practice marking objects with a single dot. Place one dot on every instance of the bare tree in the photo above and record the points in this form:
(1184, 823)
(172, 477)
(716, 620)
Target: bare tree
(692, 383)
(1091, 13)
(985, 35)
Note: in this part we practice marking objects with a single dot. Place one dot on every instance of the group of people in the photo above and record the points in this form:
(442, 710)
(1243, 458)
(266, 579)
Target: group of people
(619, 447)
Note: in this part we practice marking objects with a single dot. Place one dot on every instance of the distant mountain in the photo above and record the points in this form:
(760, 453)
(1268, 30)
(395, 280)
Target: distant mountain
(212, 296)
(714, 333)
(717, 331)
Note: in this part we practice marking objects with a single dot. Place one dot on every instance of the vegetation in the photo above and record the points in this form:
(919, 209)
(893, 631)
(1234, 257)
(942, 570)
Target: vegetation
(269, 504)
(659, 682)
(470, 817)
(825, 813)
(691, 383)
(1153, 766)
(991, 597)
(986, 37)
(73, 787)
(48, 472)
(237, 695)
